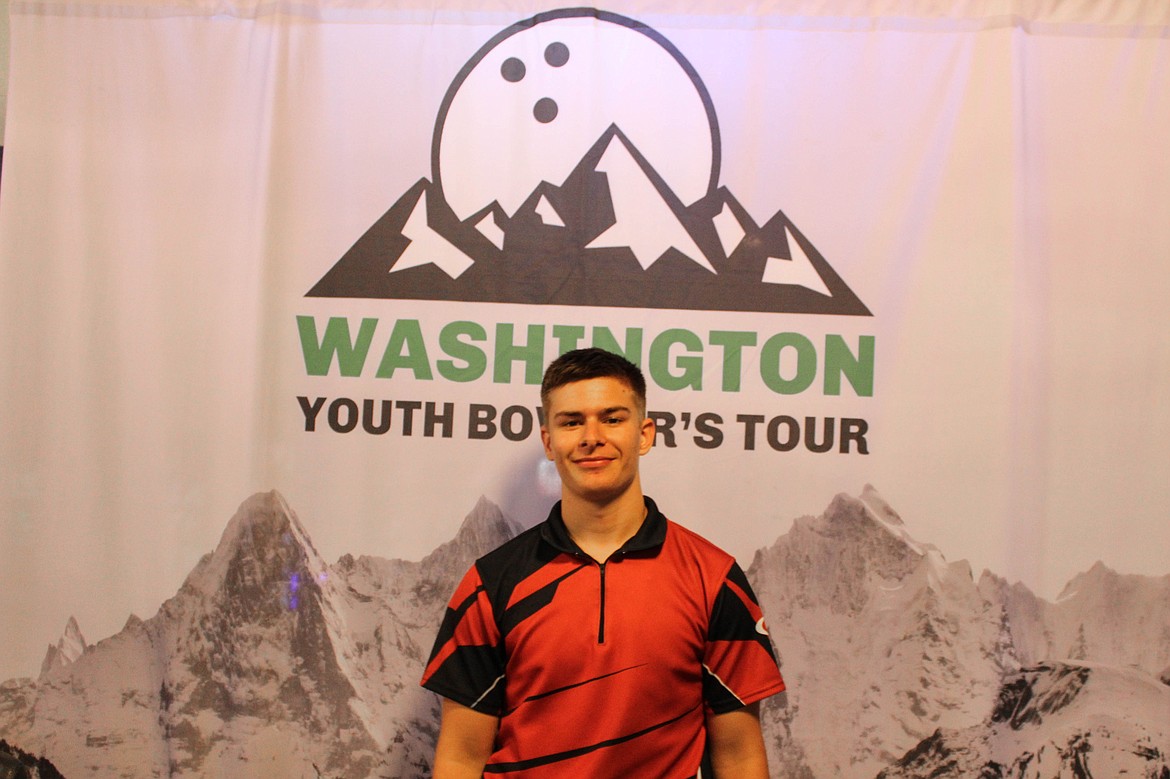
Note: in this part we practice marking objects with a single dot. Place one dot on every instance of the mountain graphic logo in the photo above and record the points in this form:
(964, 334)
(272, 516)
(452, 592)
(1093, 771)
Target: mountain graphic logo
(575, 161)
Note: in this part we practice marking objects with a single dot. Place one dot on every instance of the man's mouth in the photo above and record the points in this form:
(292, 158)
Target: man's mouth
(592, 462)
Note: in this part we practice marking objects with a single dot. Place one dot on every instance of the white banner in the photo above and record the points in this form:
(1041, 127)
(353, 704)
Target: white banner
(326, 249)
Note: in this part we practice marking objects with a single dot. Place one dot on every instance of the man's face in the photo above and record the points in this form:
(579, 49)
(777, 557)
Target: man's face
(595, 434)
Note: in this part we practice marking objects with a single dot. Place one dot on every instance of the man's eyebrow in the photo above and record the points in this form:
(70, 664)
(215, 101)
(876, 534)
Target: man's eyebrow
(603, 412)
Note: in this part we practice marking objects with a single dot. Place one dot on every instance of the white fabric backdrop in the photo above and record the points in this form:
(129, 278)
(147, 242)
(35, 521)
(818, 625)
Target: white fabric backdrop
(992, 184)
(990, 179)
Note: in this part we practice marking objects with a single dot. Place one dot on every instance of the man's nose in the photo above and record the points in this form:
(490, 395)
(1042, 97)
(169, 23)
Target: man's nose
(594, 434)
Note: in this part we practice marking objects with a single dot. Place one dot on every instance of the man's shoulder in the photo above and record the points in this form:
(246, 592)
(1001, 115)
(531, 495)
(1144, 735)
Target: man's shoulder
(692, 544)
(524, 546)
(678, 533)
(685, 535)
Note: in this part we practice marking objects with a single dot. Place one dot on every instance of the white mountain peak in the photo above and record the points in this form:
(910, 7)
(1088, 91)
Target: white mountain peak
(427, 246)
(548, 213)
(1097, 574)
(484, 528)
(69, 647)
(488, 227)
(798, 270)
(263, 525)
(72, 644)
(643, 220)
(729, 229)
(879, 507)
(885, 516)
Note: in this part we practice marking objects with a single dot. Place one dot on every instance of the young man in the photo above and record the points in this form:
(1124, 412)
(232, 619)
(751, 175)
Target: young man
(607, 641)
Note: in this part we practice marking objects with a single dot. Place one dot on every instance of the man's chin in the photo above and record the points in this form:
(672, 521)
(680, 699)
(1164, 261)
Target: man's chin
(601, 493)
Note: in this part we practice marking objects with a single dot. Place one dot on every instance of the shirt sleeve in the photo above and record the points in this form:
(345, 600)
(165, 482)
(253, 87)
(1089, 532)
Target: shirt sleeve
(739, 663)
(467, 662)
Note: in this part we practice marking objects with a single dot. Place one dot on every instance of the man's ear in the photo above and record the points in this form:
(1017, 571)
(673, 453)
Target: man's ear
(647, 433)
(544, 440)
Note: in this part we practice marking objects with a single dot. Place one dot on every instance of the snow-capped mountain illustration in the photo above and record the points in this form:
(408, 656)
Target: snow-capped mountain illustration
(885, 641)
(1056, 720)
(1100, 615)
(270, 662)
(612, 233)
(68, 648)
(881, 638)
(267, 662)
(644, 219)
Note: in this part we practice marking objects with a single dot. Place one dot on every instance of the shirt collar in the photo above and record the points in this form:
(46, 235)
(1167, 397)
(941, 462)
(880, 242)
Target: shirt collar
(650, 536)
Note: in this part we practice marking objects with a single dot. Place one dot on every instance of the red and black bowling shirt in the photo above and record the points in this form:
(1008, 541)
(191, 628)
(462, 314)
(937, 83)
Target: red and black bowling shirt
(603, 669)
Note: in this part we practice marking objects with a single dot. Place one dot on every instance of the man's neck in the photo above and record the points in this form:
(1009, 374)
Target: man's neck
(601, 529)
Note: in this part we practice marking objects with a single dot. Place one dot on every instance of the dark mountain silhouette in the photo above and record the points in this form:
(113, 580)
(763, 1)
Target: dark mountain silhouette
(549, 261)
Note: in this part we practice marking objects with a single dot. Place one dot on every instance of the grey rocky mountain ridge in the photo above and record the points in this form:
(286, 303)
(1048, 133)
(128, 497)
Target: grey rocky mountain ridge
(885, 644)
(1056, 720)
(269, 661)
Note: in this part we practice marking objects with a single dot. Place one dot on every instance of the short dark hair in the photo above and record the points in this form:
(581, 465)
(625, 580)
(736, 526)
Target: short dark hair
(593, 363)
